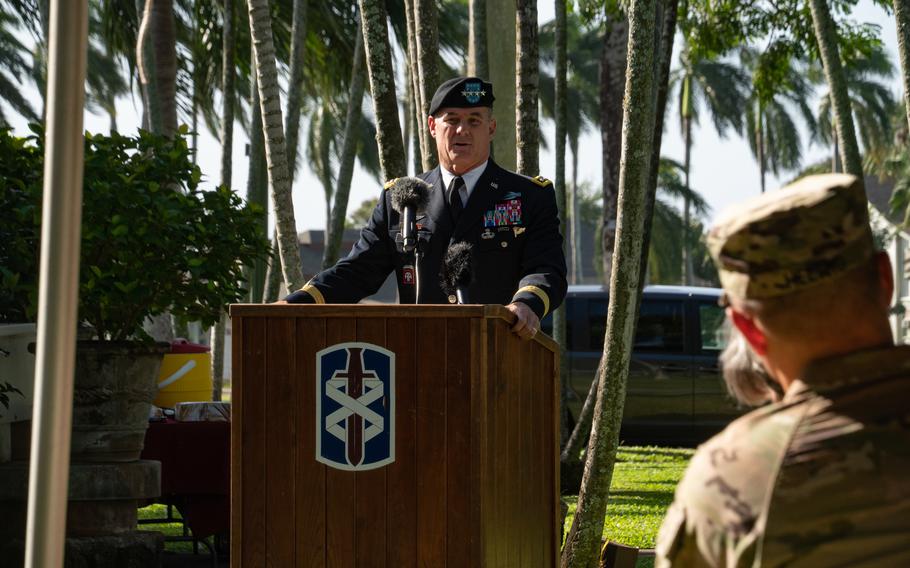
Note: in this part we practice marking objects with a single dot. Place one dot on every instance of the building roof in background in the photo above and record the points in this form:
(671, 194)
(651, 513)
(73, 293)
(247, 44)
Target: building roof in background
(879, 194)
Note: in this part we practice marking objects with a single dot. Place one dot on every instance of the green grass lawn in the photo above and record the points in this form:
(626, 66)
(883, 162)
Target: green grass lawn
(158, 511)
(643, 483)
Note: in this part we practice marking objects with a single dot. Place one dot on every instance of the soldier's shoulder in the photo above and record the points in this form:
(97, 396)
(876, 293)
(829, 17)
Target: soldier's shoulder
(541, 181)
(742, 461)
(530, 183)
(388, 185)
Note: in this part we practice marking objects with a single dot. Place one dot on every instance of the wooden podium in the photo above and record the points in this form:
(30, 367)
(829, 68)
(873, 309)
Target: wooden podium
(474, 477)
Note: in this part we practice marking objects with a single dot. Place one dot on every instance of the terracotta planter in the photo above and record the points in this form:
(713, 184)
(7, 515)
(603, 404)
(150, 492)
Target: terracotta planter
(115, 385)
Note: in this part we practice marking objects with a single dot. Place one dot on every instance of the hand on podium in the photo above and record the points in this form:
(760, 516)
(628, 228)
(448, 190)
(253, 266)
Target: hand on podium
(526, 321)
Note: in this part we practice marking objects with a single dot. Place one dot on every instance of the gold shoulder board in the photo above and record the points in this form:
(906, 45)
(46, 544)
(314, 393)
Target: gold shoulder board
(389, 183)
(541, 181)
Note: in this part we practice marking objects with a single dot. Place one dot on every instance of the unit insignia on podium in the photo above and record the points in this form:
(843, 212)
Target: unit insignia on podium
(355, 406)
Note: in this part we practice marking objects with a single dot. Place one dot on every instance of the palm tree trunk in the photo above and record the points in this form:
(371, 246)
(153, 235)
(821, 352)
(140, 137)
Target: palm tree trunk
(902, 16)
(275, 150)
(227, 166)
(578, 272)
(145, 60)
(227, 89)
(217, 341)
(164, 41)
(826, 35)
(612, 84)
(382, 87)
(686, 249)
(418, 128)
(478, 66)
(560, 117)
(407, 124)
(348, 153)
(527, 64)
(272, 275)
(667, 11)
(760, 143)
(155, 31)
(835, 157)
(257, 182)
(295, 85)
(501, 42)
(427, 36)
(413, 76)
(583, 541)
(570, 459)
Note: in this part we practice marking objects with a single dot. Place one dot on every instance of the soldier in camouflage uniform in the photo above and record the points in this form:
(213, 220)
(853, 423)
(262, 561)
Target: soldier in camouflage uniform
(822, 477)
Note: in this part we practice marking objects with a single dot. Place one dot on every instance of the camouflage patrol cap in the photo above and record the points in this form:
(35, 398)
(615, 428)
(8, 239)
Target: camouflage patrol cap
(783, 241)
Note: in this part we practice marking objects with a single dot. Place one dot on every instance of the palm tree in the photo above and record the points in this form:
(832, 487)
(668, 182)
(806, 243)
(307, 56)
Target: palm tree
(773, 135)
(583, 541)
(156, 48)
(720, 88)
(826, 36)
(295, 84)
(426, 33)
(871, 100)
(326, 147)
(583, 45)
(613, 66)
(320, 142)
(276, 153)
(14, 68)
(902, 16)
(501, 53)
(560, 116)
(669, 225)
(414, 103)
(382, 87)
(478, 65)
(527, 129)
(351, 142)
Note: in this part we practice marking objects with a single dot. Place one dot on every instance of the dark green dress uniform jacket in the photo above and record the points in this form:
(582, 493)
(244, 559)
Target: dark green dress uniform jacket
(510, 219)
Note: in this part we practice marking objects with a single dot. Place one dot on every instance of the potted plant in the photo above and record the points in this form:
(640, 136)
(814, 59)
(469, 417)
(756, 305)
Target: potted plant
(152, 242)
(18, 274)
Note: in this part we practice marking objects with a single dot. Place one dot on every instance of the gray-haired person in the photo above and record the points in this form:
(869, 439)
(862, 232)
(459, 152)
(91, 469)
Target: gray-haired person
(820, 477)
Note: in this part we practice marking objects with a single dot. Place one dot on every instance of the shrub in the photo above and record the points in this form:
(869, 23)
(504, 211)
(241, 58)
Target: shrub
(152, 241)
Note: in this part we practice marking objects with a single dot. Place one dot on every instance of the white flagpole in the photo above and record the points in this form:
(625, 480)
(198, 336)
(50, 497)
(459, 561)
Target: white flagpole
(58, 285)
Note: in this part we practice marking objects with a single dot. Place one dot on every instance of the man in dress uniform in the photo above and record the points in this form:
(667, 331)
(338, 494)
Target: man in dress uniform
(510, 220)
(819, 478)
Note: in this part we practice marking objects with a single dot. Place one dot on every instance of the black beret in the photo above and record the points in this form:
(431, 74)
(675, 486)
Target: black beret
(462, 92)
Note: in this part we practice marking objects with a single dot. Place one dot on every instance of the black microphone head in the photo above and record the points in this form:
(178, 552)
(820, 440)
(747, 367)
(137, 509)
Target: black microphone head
(410, 192)
(456, 267)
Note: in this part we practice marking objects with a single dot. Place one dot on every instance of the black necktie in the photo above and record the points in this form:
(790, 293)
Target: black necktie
(453, 198)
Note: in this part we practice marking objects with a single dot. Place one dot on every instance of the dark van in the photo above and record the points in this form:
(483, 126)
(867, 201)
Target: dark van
(675, 392)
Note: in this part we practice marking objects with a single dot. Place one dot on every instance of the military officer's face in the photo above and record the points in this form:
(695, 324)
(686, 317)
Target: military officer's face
(462, 137)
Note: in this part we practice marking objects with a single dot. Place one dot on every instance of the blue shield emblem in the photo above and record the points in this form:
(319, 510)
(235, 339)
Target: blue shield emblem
(472, 92)
(355, 406)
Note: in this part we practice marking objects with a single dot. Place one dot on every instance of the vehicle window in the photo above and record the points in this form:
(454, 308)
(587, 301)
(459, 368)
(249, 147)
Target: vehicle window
(660, 326)
(712, 333)
(546, 326)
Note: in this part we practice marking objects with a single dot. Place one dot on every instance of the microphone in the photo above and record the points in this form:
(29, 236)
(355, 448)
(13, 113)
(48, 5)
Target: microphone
(456, 271)
(410, 196)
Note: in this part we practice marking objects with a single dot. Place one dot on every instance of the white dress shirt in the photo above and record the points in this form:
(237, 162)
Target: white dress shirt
(470, 180)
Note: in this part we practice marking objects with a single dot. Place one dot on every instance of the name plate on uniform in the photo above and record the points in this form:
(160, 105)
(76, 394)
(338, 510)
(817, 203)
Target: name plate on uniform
(355, 406)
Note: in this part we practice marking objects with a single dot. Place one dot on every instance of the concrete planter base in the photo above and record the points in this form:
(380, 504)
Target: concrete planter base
(114, 389)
